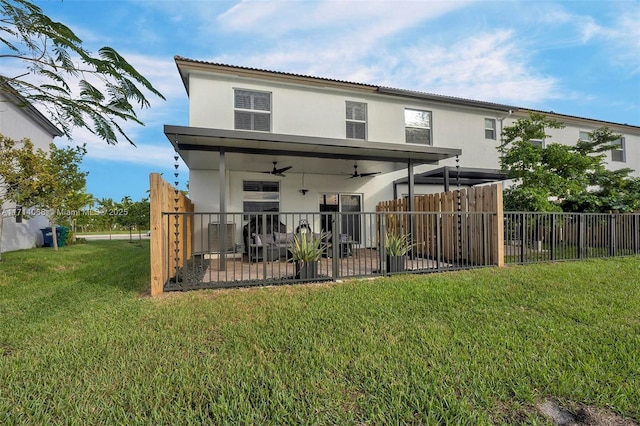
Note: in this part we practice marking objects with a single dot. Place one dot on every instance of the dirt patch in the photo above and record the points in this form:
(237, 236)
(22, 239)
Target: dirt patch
(5, 350)
(580, 414)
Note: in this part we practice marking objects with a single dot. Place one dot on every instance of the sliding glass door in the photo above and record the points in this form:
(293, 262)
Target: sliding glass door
(349, 205)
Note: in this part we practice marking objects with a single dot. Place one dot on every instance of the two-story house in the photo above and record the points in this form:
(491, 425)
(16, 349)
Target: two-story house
(20, 120)
(261, 140)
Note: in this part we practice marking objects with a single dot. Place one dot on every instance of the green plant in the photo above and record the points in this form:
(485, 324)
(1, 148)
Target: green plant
(306, 248)
(397, 245)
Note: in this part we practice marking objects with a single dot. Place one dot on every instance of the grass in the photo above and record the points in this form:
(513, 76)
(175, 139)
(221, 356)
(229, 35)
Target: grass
(80, 343)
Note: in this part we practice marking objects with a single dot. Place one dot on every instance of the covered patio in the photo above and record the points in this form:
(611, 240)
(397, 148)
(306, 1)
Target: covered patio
(223, 151)
(238, 150)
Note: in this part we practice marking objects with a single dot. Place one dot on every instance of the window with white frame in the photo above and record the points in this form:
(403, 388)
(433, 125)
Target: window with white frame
(252, 110)
(490, 128)
(537, 142)
(260, 196)
(618, 154)
(356, 114)
(585, 135)
(417, 126)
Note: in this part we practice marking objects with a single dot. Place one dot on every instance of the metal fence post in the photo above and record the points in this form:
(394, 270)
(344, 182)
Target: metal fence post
(581, 236)
(437, 218)
(552, 234)
(612, 235)
(635, 229)
(383, 259)
(263, 237)
(335, 246)
(522, 238)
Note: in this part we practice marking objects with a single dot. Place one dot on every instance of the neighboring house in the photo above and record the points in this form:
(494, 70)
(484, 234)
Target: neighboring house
(20, 120)
(245, 122)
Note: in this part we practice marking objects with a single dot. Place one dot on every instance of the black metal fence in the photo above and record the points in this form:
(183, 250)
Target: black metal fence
(244, 249)
(544, 237)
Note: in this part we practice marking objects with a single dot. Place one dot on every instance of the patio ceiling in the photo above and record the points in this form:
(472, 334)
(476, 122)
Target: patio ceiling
(447, 176)
(466, 176)
(256, 151)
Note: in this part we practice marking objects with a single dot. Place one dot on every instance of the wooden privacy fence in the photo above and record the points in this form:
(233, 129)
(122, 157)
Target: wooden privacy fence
(459, 226)
(171, 234)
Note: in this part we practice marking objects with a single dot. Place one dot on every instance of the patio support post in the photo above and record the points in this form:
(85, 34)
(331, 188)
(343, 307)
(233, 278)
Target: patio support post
(446, 178)
(222, 189)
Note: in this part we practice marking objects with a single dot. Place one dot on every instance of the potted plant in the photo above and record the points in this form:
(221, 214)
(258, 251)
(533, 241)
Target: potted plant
(306, 250)
(396, 248)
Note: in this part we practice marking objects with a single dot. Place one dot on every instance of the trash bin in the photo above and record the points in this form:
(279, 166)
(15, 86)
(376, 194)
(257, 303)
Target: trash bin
(62, 232)
(47, 237)
(61, 236)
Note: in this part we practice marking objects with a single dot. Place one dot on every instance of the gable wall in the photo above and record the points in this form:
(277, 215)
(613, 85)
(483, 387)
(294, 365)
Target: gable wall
(17, 124)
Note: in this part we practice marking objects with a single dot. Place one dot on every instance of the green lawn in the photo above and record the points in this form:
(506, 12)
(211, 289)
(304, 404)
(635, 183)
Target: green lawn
(80, 343)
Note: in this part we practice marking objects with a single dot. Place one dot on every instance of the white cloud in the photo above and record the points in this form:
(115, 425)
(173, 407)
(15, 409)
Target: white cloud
(277, 18)
(621, 38)
(617, 31)
(487, 66)
(484, 66)
(159, 155)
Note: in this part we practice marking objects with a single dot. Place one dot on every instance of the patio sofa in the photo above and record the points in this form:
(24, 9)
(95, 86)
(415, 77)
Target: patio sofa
(273, 244)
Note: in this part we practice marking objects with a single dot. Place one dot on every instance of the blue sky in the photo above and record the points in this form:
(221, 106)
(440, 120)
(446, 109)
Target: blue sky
(572, 57)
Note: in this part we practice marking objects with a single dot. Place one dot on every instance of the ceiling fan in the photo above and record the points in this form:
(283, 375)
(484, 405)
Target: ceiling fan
(355, 173)
(276, 171)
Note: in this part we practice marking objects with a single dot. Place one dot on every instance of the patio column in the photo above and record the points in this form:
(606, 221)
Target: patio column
(222, 189)
(446, 178)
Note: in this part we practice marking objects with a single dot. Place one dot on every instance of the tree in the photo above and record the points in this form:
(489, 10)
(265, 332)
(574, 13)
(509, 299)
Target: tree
(17, 166)
(136, 214)
(106, 210)
(75, 88)
(57, 181)
(562, 177)
(77, 209)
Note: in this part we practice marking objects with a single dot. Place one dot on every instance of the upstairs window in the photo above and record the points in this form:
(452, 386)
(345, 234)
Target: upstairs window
(252, 110)
(417, 126)
(356, 113)
(618, 154)
(537, 142)
(585, 136)
(490, 128)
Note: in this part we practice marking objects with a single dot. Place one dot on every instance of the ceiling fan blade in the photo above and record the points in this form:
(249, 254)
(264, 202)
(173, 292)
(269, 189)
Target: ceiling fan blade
(368, 174)
(280, 171)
